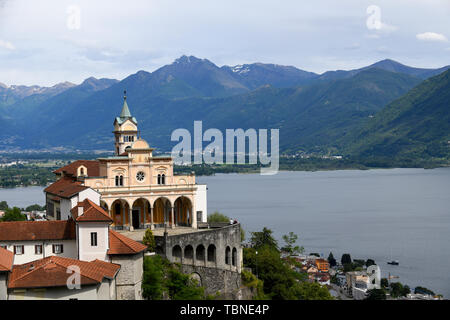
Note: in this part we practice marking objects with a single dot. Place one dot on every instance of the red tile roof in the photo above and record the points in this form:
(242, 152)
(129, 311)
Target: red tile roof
(119, 244)
(6, 260)
(52, 272)
(37, 230)
(65, 187)
(92, 166)
(91, 212)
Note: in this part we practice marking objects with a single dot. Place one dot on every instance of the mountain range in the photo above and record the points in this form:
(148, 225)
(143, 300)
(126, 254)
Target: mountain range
(315, 113)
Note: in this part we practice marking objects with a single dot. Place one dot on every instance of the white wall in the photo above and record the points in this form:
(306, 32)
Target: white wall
(90, 194)
(201, 203)
(67, 204)
(86, 251)
(3, 285)
(69, 246)
(54, 293)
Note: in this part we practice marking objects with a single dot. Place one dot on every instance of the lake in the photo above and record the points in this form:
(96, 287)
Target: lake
(401, 214)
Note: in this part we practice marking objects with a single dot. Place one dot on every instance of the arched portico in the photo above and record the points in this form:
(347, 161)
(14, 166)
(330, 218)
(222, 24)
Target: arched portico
(183, 211)
(119, 213)
(162, 212)
(140, 213)
(105, 206)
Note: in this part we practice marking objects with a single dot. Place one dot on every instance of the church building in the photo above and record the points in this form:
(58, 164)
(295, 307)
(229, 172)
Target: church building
(137, 188)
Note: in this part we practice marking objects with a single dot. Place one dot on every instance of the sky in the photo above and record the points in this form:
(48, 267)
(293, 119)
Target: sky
(46, 42)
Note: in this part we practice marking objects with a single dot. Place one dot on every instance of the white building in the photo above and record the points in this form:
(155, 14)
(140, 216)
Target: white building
(35, 257)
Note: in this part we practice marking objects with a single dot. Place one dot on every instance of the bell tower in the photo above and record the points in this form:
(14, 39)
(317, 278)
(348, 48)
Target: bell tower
(125, 129)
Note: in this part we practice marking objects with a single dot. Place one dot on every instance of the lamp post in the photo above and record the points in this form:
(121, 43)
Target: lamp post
(256, 263)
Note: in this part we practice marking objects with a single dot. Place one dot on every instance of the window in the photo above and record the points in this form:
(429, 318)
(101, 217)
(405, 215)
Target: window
(159, 179)
(119, 181)
(38, 249)
(19, 250)
(163, 179)
(93, 239)
(140, 176)
(58, 248)
(4, 247)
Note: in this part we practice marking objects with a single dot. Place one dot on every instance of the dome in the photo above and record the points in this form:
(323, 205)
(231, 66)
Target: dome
(140, 144)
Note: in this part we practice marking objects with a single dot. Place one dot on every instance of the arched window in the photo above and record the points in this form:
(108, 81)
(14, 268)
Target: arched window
(119, 181)
(159, 179)
(212, 253)
(227, 255)
(234, 257)
(163, 179)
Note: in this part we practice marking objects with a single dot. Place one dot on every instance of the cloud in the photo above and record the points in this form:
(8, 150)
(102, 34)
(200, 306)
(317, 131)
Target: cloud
(6, 45)
(431, 36)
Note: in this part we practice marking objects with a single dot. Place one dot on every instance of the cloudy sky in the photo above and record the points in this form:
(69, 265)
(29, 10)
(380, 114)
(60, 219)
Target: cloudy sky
(45, 42)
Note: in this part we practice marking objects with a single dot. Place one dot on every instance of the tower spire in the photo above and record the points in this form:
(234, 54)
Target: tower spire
(125, 110)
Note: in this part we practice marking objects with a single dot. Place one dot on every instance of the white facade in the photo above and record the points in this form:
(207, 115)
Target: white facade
(201, 203)
(29, 253)
(68, 204)
(103, 291)
(88, 252)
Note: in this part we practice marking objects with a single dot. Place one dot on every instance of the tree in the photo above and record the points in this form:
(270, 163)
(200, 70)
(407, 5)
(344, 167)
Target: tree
(376, 294)
(34, 207)
(346, 259)
(384, 283)
(161, 277)
(290, 248)
(398, 290)
(370, 262)
(149, 240)
(153, 278)
(3, 205)
(263, 238)
(183, 287)
(422, 290)
(331, 260)
(218, 217)
(312, 291)
(13, 214)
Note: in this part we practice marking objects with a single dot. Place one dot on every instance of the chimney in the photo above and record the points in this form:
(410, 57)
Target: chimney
(80, 210)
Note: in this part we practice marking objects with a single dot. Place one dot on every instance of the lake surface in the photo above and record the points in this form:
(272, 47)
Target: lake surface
(23, 197)
(401, 214)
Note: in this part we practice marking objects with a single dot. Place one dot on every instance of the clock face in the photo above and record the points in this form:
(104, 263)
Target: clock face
(140, 176)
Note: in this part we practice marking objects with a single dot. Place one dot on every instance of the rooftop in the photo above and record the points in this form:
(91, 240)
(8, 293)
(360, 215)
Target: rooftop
(123, 244)
(92, 166)
(37, 230)
(6, 260)
(53, 272)
(91, 212)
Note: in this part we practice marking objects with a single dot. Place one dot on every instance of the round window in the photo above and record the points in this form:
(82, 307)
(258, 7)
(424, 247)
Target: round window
(140, 176)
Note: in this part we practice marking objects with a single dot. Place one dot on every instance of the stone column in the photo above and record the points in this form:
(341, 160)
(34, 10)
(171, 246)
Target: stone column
(152, 226)
(130, 219)
(172, 217)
